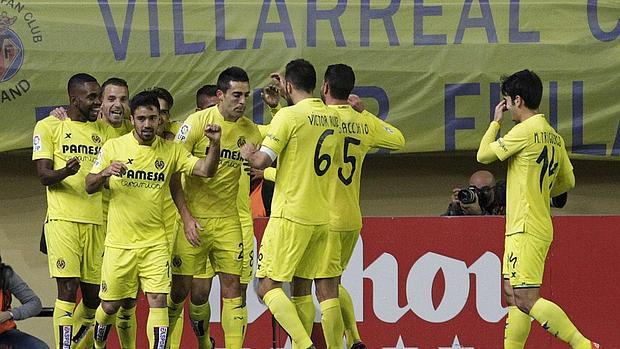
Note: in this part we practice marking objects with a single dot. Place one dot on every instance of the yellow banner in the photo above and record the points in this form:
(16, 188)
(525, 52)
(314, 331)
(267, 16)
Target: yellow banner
(430, 67)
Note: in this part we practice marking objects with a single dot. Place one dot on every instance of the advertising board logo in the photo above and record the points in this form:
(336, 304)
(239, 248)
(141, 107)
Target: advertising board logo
(11, 48)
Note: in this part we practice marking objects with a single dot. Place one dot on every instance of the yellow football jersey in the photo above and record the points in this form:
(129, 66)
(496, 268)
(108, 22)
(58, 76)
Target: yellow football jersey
(217, 196)
(361, 131)
(136, 217)
(305, 137)
(115, 132)
(59, 140)
(537, 160)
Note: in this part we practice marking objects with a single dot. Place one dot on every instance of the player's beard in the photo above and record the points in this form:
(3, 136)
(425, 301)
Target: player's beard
(89, 114)
(147, 134)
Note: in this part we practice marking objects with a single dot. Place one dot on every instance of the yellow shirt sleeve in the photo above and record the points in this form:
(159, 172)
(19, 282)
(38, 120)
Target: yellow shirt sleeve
(185, 161)
(42, 141)
(565, 179)
(190, 132)
(385, 135)
(485, 151)
(279, 132)
(270, 174)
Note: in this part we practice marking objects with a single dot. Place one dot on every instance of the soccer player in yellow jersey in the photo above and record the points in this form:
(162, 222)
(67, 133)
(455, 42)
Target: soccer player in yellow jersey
(362, 131)
(213, 203)
(304, 137)
(137, 169)
(64, 152)
(538, 169)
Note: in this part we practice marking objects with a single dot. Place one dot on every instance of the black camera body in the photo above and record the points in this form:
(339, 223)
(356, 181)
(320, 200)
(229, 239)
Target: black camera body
(468, 195)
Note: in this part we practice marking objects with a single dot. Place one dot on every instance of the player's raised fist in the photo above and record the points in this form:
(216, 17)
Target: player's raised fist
(213, 132)
(73, 166)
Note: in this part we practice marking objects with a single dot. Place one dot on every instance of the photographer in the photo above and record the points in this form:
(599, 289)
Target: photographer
(483, 197)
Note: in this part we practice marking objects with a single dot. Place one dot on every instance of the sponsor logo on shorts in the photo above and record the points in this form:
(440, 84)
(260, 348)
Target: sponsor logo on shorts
(60, 263)
(177, 261)
(159, 164)
(104, 287)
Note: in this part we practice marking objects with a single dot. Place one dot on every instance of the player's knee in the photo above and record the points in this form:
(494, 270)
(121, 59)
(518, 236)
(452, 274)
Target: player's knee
(231, 286)
(110, 307)
(509, 293)
(199, 298)
(67, 289)
(523, 302)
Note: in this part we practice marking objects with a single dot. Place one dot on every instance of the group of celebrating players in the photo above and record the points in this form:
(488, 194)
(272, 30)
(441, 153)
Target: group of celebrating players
(138, 202)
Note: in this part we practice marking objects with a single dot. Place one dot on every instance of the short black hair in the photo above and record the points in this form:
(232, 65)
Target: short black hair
(341, 79)
(79, 79)
(162, 93)
(301, 74)
(145, 98)
(207, 90)
(114, 82)
(231, 74)
(524, 83)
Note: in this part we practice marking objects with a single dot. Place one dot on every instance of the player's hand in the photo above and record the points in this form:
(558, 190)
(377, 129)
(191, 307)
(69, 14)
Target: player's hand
(270, 95)
(116, 168)
(72, 166)
(191, 227)
(278, 81)
(500, 108)
(247, 150)
(356, 102)
(59, 113)
(256, 174)
(213, 132)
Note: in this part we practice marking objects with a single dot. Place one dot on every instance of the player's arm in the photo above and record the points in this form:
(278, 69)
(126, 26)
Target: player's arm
(207, 166)
(565, 180)
(258, 158)
(386, 135)
(486, 155)
(49, 176)
(95, 181)
(190, 225)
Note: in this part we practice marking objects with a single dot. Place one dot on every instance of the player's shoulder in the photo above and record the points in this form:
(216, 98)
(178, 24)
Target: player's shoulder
(50, 122)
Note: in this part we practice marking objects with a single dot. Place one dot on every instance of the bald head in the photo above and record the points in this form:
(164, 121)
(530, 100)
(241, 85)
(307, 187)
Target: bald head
(482, 179)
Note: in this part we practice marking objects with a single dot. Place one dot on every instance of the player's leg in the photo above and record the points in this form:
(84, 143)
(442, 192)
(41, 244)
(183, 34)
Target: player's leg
(518, 323)
(529, 268)
(301, 296)
(154, 276)
(282, 247)
(119, 286)
(200, 309)
(126, 324)
(226, 257)
(93, 236)
(64, 257)
(247, 268)
(325, 247)
(348, 240)
(187, 261)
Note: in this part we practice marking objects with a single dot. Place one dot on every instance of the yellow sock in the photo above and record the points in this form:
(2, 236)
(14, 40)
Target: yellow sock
(306, 313)
(157, 327)
(127, 327)
(555, 321)
(174, 313)
(200, 316)
(331, 321)
(63, 323)
(83, 320)
(103, 325)
(517, 328)
(233, 322)
(284, 311)
(174, 339)
(348, 317)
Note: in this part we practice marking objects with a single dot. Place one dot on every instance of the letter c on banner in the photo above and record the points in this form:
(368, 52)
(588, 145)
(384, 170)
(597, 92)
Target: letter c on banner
(420, 287)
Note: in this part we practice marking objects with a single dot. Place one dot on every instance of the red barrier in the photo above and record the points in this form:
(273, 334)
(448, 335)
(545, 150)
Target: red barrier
(435, 283)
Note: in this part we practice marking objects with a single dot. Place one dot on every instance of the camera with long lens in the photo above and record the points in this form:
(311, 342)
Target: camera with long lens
(468, 195)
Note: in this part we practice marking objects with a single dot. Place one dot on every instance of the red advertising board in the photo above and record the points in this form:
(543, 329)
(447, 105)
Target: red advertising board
(435, 283)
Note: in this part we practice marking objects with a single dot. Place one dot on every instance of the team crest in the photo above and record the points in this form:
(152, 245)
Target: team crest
(159, 164)
(241, 141)
(60, 264)
(96, 138)
(11, 48)
(104, 287)
(177, 261)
